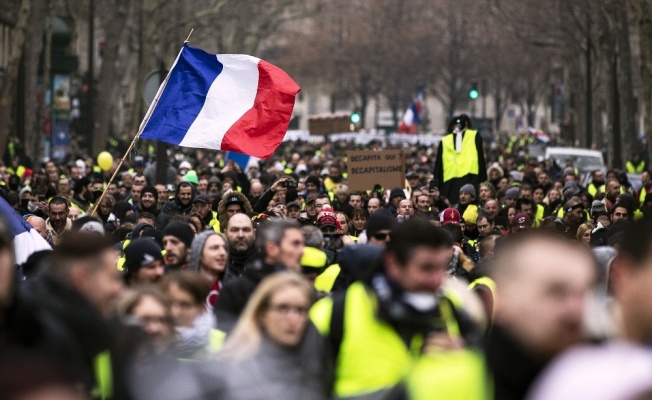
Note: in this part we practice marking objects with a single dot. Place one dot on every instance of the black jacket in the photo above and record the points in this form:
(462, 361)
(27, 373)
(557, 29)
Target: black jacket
(66, 329)
(237, 262)
(235, 293)
(513, 370)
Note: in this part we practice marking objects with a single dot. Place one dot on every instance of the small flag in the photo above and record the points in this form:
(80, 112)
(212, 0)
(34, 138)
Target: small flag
(412, 116)
(26, 239)
(539, 135)
(229, 102)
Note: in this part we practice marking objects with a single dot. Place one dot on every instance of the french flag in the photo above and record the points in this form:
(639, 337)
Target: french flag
(539, 135)
(26, 239)
(228, 102)
(412, 116)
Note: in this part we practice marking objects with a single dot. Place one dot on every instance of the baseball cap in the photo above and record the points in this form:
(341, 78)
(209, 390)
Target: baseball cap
(292, 204)
(311, 198)
(521, 221)
(233, 199)
(327, 218)
(202, 198)
(450, 216)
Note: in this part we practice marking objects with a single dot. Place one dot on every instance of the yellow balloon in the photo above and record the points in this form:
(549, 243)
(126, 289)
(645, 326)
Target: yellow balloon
(105, 160)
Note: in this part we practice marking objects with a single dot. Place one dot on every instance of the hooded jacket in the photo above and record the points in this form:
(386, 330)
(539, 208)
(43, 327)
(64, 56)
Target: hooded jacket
(221, 208)
(174, 206)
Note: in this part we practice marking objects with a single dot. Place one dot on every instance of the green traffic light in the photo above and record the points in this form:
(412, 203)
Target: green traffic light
(355, 118)
(473, 94)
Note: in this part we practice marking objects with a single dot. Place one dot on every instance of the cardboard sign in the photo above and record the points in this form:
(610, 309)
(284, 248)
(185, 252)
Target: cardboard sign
(367, 168)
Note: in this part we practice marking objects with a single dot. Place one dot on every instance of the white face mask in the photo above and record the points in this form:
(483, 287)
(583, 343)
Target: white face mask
(421, 301)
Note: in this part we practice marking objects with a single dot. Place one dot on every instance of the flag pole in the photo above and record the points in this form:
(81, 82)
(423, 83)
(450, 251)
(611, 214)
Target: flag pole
(143, 124)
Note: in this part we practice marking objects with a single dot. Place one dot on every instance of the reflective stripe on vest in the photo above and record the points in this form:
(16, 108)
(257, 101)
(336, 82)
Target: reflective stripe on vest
(103, 376)
(458, 165)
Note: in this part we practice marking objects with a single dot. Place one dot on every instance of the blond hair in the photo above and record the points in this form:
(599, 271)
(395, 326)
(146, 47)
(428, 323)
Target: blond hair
(247, 334)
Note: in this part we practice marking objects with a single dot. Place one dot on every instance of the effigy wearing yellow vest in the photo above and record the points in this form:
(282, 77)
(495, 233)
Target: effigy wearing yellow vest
(458, 165)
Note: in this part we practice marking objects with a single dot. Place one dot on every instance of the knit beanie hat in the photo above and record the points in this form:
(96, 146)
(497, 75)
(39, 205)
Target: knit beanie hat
(468, 188)
(139, 253)
(181, 230)
(152, 190)
(380, 220)
(198, 247)
(512, 193)
(397, 192)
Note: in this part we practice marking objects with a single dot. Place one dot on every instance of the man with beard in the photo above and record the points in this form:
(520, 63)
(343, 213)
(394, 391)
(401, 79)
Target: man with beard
(143, 262)
(241, 235)
(58, 221)
(542, 281)
(613, 190)
(177, 239)
(149, 203)
(334, 177)
(181, 204)
(280, 243)
(573, 218)
(83, 195)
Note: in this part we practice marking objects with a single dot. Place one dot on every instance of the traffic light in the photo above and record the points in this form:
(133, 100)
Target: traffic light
(473, 93)
(355, 117)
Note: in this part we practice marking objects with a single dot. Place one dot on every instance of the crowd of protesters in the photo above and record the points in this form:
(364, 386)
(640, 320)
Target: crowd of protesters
(276, 280)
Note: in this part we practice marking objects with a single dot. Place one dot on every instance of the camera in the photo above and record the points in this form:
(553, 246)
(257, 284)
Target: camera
(290, 184)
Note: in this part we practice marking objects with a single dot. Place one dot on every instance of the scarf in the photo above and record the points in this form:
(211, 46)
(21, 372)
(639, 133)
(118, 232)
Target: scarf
(192, 341)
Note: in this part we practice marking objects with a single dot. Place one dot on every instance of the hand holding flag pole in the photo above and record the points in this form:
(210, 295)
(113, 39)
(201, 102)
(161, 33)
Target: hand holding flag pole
(140, 130)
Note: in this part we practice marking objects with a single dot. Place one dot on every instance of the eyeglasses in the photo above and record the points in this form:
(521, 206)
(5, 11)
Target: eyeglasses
(285, 309)
(380, 236)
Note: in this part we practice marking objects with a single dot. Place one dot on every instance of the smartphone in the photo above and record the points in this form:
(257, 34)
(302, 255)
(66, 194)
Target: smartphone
(434, 184)
(41, 197)
(290, 184)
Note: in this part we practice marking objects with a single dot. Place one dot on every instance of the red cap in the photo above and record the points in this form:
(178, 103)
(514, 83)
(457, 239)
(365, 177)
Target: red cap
(521, 221)
(450, 216)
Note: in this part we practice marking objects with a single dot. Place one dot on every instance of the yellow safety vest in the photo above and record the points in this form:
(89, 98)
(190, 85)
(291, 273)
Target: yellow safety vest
(457, 374)
(372, 357)
(103, 376)
(540, 212)
(635, 169)
(490, 284)
(325, 281)
(458, 165)
(592, 189)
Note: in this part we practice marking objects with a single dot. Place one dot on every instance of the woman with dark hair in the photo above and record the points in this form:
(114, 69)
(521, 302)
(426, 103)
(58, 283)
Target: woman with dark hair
(358, 224)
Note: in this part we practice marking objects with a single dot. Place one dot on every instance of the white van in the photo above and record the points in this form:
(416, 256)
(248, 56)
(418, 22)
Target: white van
(585, 160)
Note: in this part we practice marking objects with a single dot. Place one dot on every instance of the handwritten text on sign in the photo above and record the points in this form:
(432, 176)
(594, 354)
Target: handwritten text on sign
(368, 168)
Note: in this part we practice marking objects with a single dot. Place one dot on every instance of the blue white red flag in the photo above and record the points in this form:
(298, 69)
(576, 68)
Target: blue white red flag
(222, 102)
(412, 116)
(539, 135)
(26, 239)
